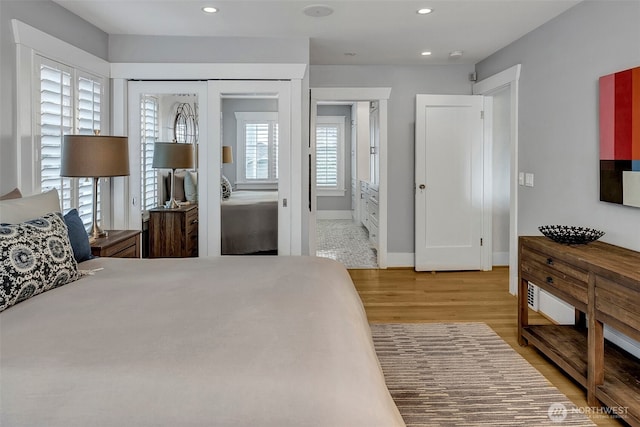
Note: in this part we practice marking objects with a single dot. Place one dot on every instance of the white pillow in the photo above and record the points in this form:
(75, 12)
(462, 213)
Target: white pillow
(191, 187)
(15, 211)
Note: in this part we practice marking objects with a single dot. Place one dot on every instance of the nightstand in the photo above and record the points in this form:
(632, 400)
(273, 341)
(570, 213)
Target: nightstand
(118, 244)
(173, 233)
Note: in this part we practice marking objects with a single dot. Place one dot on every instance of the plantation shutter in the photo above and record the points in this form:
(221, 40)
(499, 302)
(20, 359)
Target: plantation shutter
(257, 151)
(69, 102)
(274, 150)
(327, 144)
(55, 120)
(88, 120)
(150, 131)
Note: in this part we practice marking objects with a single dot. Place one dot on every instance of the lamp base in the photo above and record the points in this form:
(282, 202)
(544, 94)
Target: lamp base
(171, 204)
(96, 233)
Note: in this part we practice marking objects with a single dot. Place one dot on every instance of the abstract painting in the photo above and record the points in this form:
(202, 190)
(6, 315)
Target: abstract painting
(620, 137)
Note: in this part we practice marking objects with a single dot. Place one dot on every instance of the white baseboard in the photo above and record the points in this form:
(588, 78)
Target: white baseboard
(500, 259)
(334, 214)
(400, 259)
(556, 309)
(622, 341)
(407, 259)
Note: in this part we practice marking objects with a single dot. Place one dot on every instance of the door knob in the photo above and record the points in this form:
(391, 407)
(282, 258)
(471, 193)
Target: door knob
(422, 186)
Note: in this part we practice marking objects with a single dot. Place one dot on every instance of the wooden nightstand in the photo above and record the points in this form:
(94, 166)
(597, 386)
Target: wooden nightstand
(118, 244)
(173, 233)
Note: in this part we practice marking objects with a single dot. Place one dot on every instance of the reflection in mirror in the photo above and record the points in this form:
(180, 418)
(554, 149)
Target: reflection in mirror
(249, 176)
(167, 118)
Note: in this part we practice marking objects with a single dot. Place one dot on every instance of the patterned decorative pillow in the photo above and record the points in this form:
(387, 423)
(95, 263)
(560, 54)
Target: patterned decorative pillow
(226, 187)
(35, 256)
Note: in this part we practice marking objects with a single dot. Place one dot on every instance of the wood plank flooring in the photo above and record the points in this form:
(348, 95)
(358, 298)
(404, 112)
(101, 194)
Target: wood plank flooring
(403, 295)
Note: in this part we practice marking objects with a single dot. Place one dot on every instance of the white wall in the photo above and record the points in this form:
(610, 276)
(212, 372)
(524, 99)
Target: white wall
(127, 48)
(501, 171)
(558, 128)
(405, 83)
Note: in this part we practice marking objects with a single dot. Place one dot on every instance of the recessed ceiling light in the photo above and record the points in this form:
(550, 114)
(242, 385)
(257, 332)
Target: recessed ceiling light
(317, 10)
(426, 53)
(424, 11)
(209, 9)
(350, 54)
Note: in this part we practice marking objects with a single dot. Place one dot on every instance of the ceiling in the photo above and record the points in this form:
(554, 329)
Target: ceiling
(357, 32)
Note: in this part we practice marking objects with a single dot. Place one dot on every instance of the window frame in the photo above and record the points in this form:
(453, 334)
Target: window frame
(339, 189)
(31, 43)
(242, 119)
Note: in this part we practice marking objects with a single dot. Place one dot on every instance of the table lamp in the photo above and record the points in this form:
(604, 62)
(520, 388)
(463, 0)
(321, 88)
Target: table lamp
(94, 156)
(172, 155)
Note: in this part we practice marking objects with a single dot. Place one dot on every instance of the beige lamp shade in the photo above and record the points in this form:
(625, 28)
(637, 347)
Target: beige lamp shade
(172, 155)
(227, 154)
(94, 156)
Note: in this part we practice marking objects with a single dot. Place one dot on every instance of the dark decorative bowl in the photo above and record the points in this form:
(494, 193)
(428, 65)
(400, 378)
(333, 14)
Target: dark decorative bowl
(570, 235)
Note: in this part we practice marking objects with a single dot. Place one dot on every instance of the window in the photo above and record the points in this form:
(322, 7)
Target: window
(149, 134)
(257, 147)
(330, 155)
(69, 102)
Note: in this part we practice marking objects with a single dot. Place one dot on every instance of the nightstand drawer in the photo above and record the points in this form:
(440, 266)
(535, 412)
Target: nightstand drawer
(118, 244)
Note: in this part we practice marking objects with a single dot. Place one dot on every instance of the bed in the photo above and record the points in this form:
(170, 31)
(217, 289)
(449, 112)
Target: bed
(250, 222)
(222, 341)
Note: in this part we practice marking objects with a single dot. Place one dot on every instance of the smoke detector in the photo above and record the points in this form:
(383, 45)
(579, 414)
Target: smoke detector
(455, 54)
(317, 10)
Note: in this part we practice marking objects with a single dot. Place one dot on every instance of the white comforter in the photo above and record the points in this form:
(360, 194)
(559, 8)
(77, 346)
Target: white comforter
(234, 341)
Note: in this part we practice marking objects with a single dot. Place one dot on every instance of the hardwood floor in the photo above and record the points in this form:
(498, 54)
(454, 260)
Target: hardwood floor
(403, 295)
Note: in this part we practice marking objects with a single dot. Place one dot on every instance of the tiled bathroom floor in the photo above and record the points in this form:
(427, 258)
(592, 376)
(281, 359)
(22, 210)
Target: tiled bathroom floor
(345, 242)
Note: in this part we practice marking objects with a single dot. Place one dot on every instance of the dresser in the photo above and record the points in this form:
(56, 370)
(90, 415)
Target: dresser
(117, 244)
(369, 209)
(602, 282)
(173, 233)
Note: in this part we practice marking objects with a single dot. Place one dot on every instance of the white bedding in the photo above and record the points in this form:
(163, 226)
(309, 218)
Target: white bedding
(233, 341)
(250, 222)
(246, 197)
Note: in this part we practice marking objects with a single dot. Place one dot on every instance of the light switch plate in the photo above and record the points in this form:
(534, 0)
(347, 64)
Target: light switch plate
(521, 178)
(528, 179)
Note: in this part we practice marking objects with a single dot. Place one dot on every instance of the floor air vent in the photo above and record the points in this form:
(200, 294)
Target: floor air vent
(532, 296)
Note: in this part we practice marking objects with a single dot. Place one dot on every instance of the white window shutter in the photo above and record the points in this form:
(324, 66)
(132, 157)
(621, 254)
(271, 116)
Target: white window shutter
(69, 102)
(150, 131)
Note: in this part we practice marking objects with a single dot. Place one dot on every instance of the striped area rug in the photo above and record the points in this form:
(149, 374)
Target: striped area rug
(464, 374)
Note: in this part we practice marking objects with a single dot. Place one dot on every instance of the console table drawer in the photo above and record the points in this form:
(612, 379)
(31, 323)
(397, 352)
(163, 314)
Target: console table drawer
(618, 305)
(555, 265)
(556, 276)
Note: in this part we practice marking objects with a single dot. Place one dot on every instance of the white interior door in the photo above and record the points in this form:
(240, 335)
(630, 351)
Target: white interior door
(449, 182)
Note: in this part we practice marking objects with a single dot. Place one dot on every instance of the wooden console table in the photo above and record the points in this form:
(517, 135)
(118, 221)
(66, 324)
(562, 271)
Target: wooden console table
(602, 282)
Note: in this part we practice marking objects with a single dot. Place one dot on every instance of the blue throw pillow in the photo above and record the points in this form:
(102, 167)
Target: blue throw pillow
(78, 236)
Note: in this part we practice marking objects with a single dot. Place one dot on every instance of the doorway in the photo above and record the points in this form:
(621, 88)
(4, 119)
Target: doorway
(344, 147)
(503, 89)
(366, 98)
